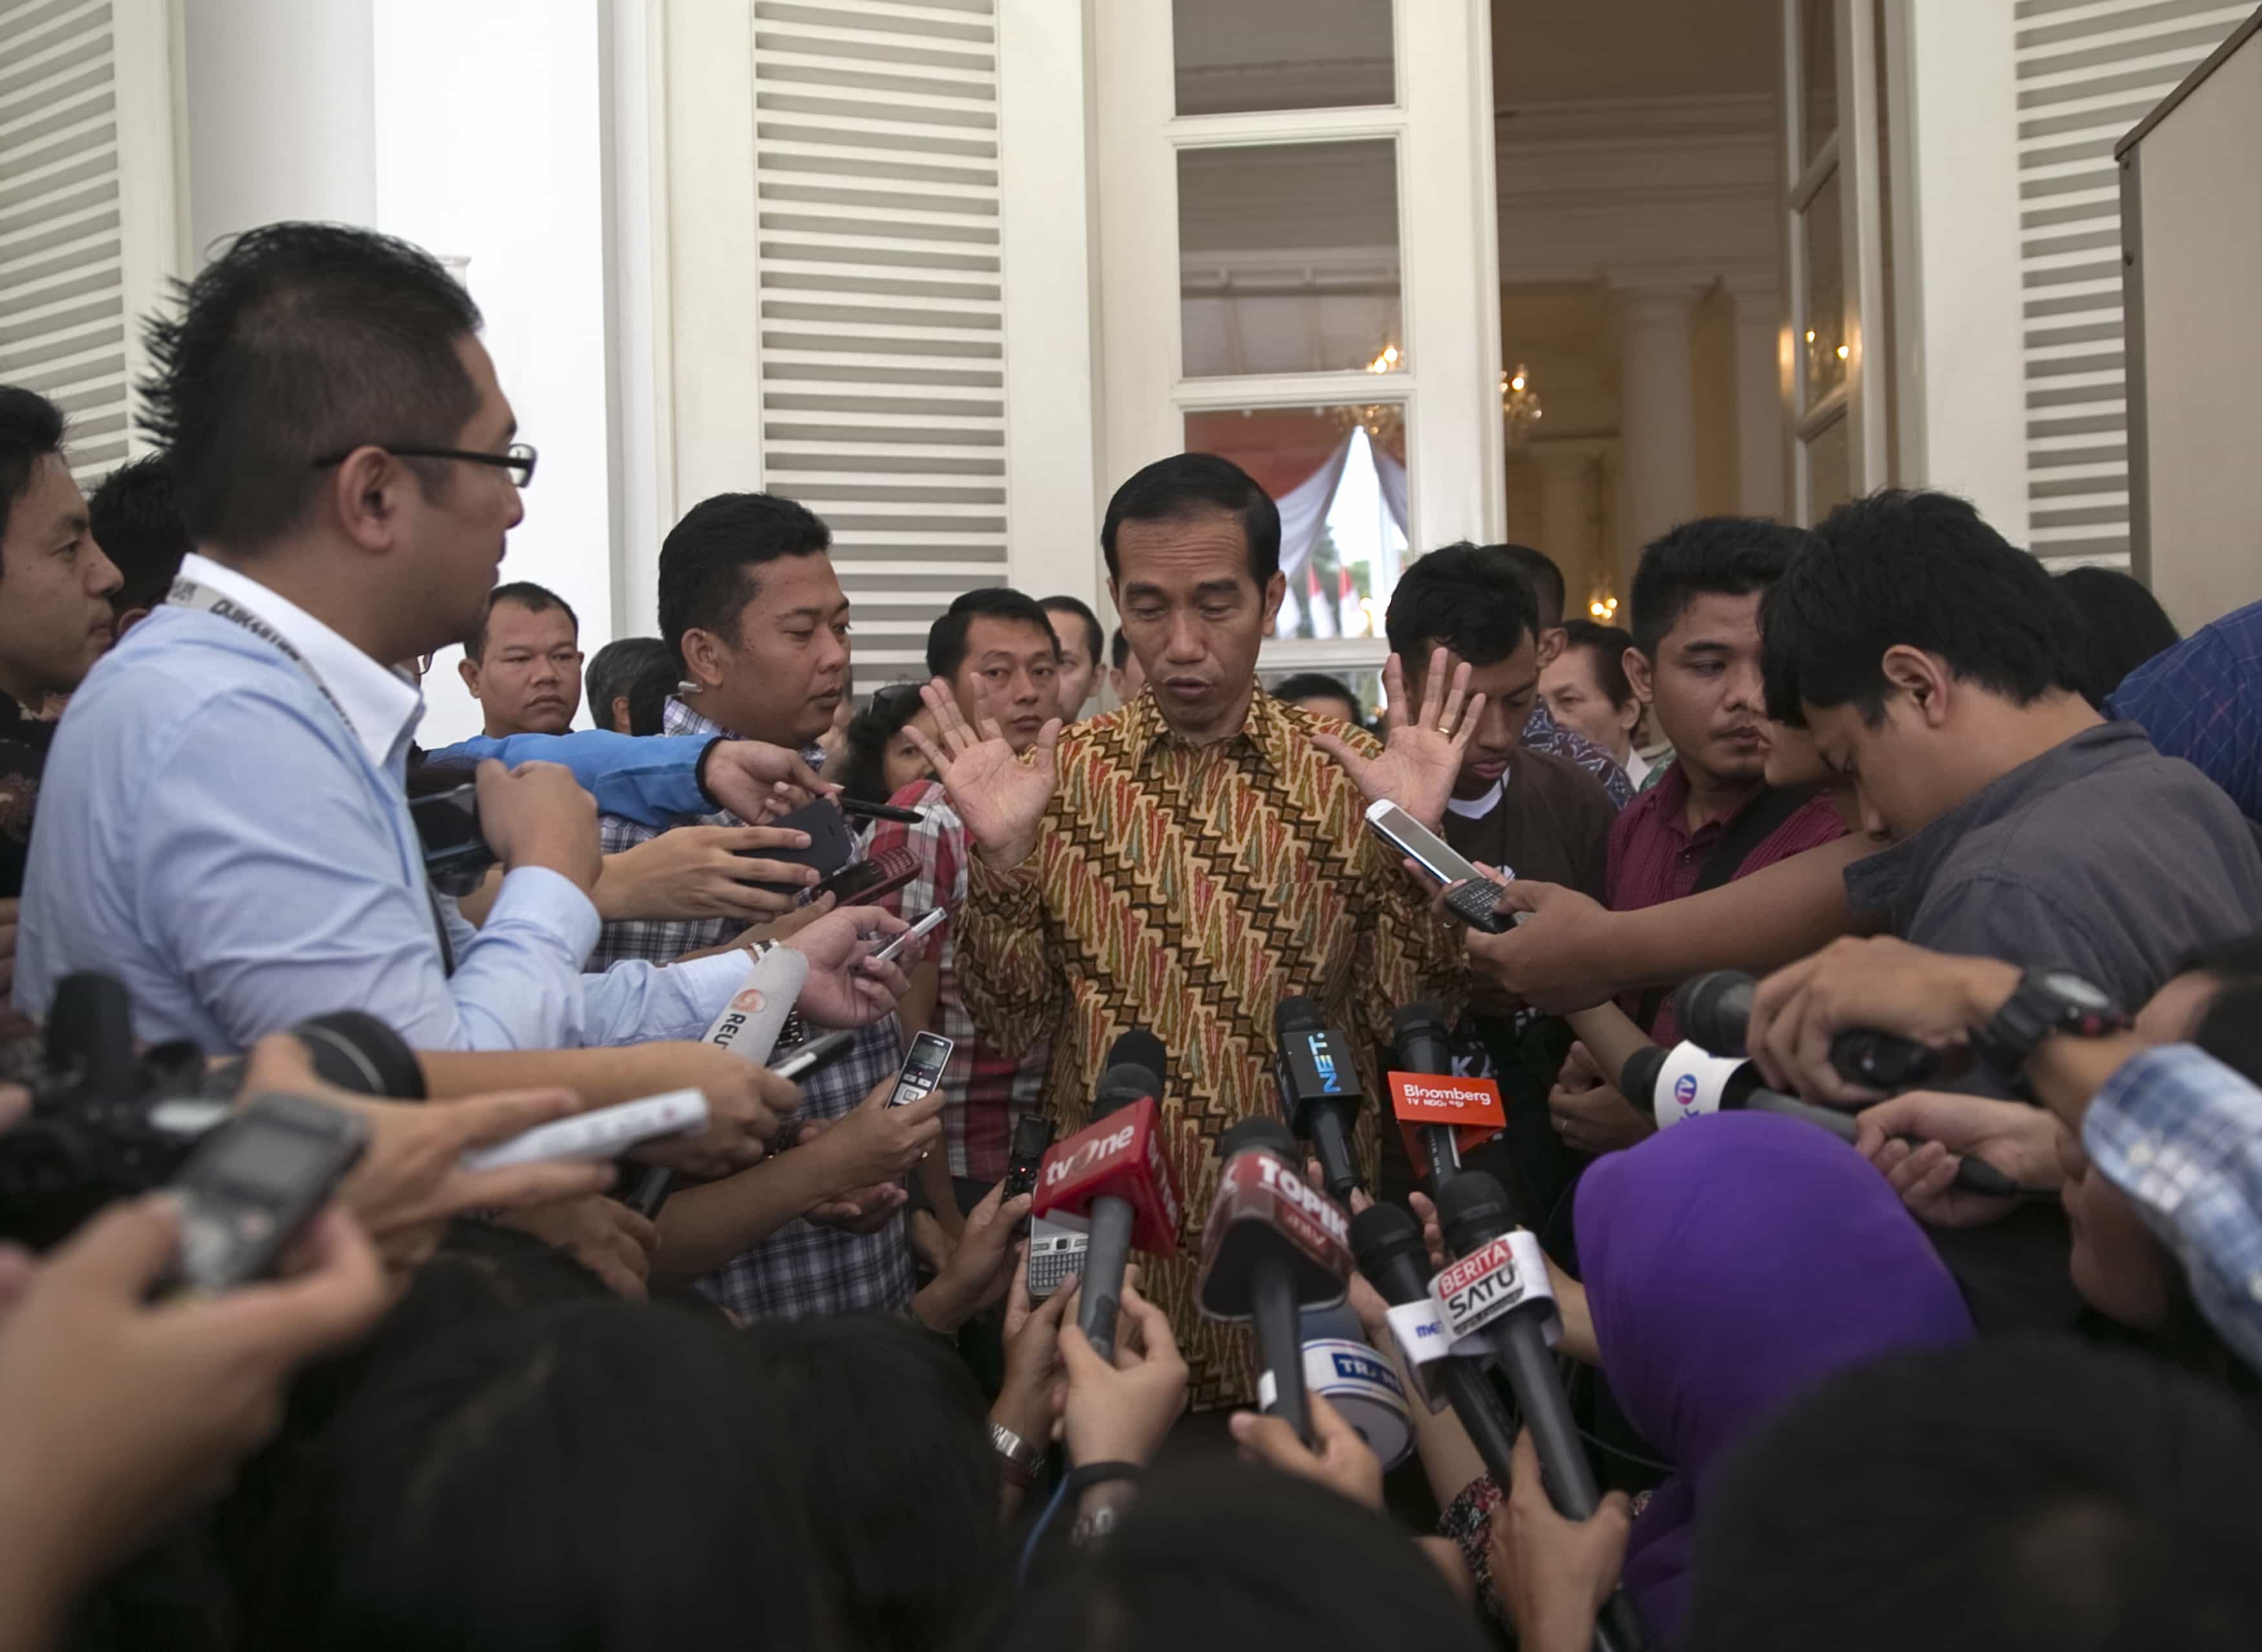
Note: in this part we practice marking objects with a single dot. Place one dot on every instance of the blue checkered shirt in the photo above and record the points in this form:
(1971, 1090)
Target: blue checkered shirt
(1543, 733)
(2181, 1134)
(2197, 701)
(800, 1270)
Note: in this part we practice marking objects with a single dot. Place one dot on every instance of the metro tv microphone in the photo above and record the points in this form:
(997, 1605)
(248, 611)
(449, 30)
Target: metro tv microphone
(1715, 1009)
(1319, 1090)
(1114, 1172)
(1272, 1247)
(1421, 1047)
(1683, 1082)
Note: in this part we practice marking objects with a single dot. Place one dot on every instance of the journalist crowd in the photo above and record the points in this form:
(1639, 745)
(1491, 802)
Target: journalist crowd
(1739, 1132)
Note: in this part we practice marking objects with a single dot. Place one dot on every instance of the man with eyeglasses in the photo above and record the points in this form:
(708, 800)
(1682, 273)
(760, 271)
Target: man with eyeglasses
(224, 826)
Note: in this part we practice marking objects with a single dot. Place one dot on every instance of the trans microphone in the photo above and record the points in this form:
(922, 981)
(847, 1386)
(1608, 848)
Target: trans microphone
(1319, 1090)
(1421, 1047)
(1684, 1082)
(1715, 1009)
(1114, 1172)
(1272, 1247)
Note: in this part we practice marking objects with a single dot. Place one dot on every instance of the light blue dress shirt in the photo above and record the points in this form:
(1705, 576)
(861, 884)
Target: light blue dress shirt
(652, 780)
(239, 852)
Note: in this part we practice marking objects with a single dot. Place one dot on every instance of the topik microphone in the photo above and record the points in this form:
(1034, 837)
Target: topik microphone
(1272, 1247)
(1477, 1219)
(1715, 1009)
(1421, 1047)
(1319, 1090)
(1114, 1173)
(1684, 1082)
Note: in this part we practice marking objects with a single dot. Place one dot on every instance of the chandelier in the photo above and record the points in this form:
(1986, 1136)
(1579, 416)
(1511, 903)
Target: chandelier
(1519, 404)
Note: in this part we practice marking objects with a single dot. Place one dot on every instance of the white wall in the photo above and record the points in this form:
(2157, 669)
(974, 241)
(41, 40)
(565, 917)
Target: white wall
(491, 150)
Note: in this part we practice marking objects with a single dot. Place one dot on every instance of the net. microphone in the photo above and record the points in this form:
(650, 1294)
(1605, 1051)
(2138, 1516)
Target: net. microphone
(1477, 1218)
(1683, 1082)
(1421, 1047)
(1319, 1090)
(1114, 1173)
(1715, 1009)
(1272, 1247)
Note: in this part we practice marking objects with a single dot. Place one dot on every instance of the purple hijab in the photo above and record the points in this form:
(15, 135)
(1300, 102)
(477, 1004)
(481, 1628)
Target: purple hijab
(1731, 1262)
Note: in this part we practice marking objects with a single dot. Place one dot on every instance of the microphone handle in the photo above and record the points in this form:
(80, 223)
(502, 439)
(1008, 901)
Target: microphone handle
(1444, 1154)
(1280, 1342)
(1331, 1142)
(1104, 1262)
(1973, 1175)
(651, 1192)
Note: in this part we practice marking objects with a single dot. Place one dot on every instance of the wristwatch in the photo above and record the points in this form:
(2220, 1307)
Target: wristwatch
(2046, 1002)
(1021, 1459)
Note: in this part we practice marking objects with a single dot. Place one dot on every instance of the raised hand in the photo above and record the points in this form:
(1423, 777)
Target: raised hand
(1000, 798)
(1421, 755)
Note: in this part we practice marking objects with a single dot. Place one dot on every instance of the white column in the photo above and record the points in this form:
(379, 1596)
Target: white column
(281, 114)
(1758, 302)
(1657, 412)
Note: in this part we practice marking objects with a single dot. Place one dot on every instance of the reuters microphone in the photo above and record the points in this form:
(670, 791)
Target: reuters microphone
(1272, 1247)
(1113, 1172)
(1715, 1010)
(1319, 1090)
(1685, 1083)
(1499, 1286)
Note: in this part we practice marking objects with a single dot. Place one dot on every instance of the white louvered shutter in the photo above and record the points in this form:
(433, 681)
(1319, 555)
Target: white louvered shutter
(882, 357)
(2088, 70)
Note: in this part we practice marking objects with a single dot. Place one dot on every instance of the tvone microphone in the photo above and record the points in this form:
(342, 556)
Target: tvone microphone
(1683, 1082)
(1477, 1218)
(1271, 1246)
(1114, 1172)
(1319, 1089)
(1715, 1009)
(1421, 1047)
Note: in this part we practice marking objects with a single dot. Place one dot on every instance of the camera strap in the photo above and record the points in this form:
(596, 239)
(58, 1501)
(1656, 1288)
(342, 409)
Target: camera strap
(192, 594)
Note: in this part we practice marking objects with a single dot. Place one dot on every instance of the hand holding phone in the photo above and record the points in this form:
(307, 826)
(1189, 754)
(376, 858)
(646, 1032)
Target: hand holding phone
(253, 1184)
(922, 1070)
(1470, 896)
(921, 928)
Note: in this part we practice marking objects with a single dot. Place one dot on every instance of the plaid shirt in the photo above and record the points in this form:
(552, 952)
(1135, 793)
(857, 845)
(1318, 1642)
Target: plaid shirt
(2196, 701)
(799, 1270)
(988, 1092)
(2181, 1134)
(1543, 733)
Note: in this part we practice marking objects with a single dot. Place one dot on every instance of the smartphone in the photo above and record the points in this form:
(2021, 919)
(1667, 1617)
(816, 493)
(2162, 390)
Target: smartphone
(869, 882)
(456, 853)
(804, 1059)
(1057, 1255)
(251, 1186)
(831, 845)
(1032, 1133)
(1472, 904)
(923, 926)
(922, 1070)
(879, 810)
(605, 1133)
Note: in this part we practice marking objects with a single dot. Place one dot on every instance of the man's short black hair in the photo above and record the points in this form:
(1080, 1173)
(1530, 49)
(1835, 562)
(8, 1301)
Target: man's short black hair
(300, 342)
(1918, 570)
(1472, 598)
(946, 639)
(1192, 485)
(709, 561)
(1713, 556)
(2021, 1490)
(613, 667)
(1543, 576)
(535, 599)
(30, 429)
(1093, 636)
(1317, 685)
(1118, 649)
(135, 520)
(649, 691)
(2123, 625)
(1607, 644)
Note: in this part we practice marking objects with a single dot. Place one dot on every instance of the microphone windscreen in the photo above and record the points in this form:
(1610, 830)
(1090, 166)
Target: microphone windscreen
(1259, 1131)
(1379, 1232)
(1638, 1078)
(1420, 1016)
(1475, 1203)
(1141, 1049)
(1714, 1010)
(1296, 1014)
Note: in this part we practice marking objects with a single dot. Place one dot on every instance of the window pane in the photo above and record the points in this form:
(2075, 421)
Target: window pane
(1817, 43)
(1824, 344)
(1829, 469)
(1236, 55)
(1289, 257)
(1338, 475)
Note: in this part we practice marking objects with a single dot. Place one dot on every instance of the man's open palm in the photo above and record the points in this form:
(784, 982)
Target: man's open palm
(999, 796)
(1422, 753)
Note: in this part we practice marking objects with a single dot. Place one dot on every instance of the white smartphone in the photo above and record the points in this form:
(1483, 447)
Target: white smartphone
(924, 925)
(922, 1070)
(1057, 1255)
(606, 1133)
(1472, 902)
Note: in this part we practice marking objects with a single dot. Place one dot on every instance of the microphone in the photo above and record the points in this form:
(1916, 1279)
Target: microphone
(1114, 1172)
(1341, 1366)
(1683, 1082)
(1714, 1009)
(1270, 1247)
(1421, 1047)
(1477, 1218)
(1319, 1090)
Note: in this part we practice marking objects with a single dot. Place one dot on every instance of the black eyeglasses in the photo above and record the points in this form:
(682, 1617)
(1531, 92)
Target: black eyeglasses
(517, 459)
(888, 698)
